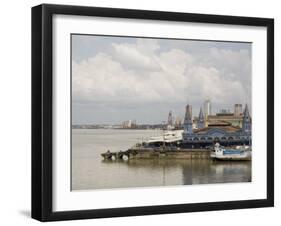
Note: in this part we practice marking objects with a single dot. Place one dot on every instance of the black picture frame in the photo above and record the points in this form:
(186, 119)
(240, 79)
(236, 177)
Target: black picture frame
(42, 111)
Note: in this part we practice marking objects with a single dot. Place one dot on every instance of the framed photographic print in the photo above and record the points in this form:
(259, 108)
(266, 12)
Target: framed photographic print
(145, 112)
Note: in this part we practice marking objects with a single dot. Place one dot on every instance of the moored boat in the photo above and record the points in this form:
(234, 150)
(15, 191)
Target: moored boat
(168, 137)
(231, 153)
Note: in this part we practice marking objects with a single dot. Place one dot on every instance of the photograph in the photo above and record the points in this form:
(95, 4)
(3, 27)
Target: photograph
(145, 112)
(153, 111)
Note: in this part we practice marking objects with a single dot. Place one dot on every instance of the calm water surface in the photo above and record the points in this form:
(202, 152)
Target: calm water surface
(89, 171)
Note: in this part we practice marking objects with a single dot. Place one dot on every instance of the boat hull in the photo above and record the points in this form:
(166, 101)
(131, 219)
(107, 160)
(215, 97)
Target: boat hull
(233, 158)
(231, 154)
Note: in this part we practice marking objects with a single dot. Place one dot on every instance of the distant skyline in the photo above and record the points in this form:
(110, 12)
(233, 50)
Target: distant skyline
(115, 79)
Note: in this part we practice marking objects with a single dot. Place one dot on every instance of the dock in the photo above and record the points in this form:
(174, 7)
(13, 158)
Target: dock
(152, 153)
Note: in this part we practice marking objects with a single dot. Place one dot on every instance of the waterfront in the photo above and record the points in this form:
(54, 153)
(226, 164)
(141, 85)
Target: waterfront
(89, 171)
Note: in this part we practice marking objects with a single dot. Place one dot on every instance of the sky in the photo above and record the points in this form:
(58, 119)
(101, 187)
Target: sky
(115, 79)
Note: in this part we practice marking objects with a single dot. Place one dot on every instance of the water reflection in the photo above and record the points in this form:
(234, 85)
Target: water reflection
(202, 171)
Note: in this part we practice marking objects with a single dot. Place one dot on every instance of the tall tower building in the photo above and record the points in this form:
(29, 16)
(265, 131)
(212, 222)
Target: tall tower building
(170, 119)
(187, 125)
(247, 125)
(237, 109)
(201, 121)
(207, 108)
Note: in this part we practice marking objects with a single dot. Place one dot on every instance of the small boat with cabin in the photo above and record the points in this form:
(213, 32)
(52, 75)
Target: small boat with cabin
(238, 153)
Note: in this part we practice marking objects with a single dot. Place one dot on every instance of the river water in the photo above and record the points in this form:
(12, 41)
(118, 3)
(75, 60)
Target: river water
(89, 171)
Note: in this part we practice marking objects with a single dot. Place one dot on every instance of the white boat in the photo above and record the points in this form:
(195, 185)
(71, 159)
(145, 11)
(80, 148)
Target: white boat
(227, 153)
(170, 136)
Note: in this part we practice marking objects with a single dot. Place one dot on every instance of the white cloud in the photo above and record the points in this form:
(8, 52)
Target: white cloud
(137, 56)
(143, 73)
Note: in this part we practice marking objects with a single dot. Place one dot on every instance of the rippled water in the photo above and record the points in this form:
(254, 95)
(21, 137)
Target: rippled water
(89, 171)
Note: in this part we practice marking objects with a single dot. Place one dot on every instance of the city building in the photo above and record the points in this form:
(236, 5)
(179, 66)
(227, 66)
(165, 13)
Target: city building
(178, 123)
(170, 120)
(235, 117)
(225, 117)
(237, 109)
(129, 124)
(207, 108)
(216, 130)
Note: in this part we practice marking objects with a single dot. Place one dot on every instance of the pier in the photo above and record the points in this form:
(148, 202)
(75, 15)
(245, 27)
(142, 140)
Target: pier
(151, 153)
